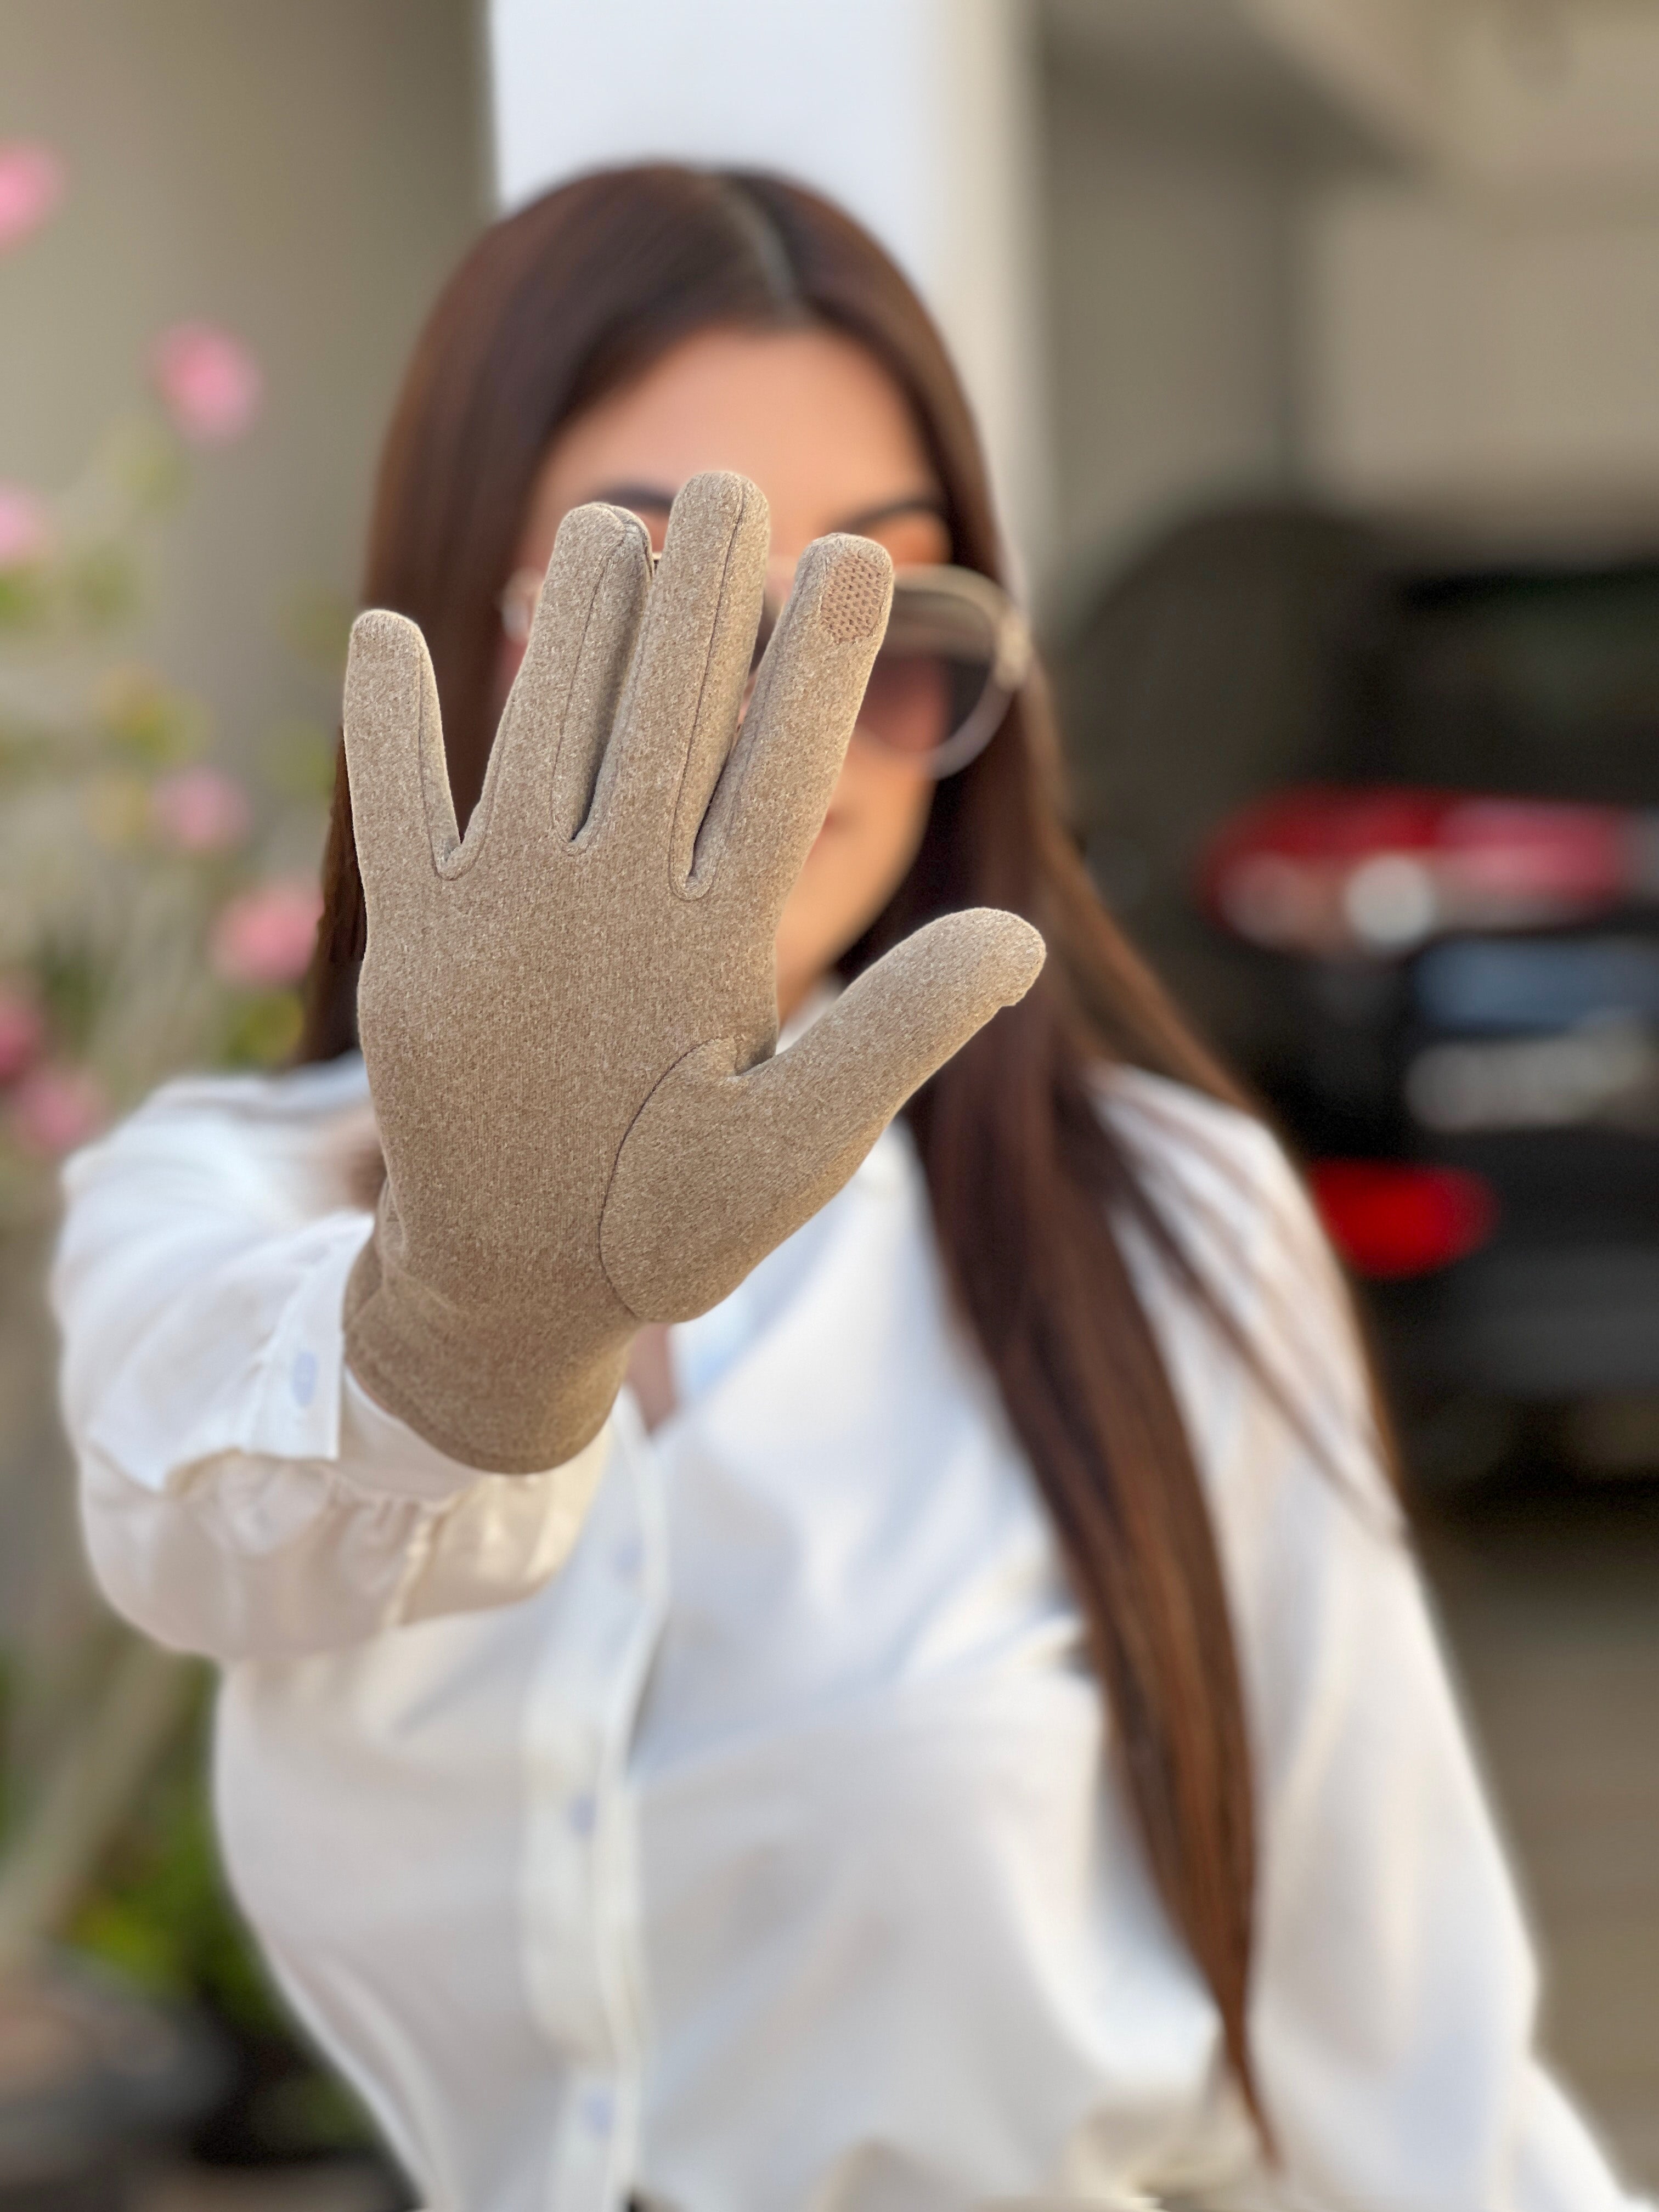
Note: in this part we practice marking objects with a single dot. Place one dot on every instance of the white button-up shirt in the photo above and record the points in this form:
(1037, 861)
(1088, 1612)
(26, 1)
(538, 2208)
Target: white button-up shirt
(726, 1819)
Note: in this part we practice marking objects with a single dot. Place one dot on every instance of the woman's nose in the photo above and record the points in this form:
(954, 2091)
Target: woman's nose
(780, 575)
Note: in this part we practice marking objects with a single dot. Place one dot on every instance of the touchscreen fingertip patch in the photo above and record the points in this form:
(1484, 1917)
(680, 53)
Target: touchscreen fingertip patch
(855, 595)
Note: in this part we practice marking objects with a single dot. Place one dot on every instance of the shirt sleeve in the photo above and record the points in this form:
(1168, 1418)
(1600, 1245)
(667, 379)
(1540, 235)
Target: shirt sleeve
(242, 1495)
(1395, 1992)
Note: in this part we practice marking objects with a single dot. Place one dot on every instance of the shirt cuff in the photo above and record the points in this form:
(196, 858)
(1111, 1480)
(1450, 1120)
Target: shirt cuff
(380, 1452)
(251, 1363)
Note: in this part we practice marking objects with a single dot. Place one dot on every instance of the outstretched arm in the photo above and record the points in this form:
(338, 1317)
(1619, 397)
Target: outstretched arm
(568, 1015)
(242, 1496)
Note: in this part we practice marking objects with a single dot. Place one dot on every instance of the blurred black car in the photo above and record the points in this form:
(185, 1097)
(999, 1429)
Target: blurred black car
(1389, 814)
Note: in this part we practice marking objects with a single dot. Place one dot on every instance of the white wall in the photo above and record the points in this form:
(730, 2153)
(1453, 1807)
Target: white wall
(1380, 60)
(916, 114)
(1489, 327)
(1460, 349)
(1555, 103)
(1174, 378)
(1478, 314)
(305, 175)
(1465, 313)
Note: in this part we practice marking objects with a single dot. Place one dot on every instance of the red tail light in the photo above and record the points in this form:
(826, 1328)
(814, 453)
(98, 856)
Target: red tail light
(1382, 871)
(1390, 1219)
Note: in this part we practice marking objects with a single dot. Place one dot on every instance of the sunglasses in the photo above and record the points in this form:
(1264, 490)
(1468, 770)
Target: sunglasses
(957, 651)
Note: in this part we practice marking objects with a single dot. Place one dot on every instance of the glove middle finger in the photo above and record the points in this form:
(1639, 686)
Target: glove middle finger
(685, 688)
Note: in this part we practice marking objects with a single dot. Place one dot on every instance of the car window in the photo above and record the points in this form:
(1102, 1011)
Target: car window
(1537, 684)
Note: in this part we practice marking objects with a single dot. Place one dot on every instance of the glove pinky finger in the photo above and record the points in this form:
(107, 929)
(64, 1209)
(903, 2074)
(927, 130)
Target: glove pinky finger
(403, 817)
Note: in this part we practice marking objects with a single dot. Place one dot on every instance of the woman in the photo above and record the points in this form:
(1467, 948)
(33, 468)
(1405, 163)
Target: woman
(966, 1729)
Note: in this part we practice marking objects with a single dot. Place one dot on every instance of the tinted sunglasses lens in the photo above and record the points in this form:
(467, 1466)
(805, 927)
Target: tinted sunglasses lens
(933, 670)
(911, 701)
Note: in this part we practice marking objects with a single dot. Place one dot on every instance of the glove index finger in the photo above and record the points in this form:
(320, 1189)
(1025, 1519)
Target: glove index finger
(403, 817)
(771, 799)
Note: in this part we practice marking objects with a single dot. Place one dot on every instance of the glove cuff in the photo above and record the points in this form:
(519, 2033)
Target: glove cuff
(503, 1391)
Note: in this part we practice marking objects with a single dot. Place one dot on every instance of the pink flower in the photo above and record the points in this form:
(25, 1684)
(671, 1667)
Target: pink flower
(55, 1109)
(265, 936)
(21, 1031)
(31, 185)
(201, 810)
(23, 527)
(210, 383)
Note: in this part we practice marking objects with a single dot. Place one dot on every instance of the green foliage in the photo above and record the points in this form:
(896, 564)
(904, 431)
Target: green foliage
(161, 1917)
(23, 604)
(98, 588)
(160, 1914)
(132, 864)
(72, 989)
(263, 1031)
(306, 2111)
(297, 762)
(316, 625)
(149, 725)
(153, 917)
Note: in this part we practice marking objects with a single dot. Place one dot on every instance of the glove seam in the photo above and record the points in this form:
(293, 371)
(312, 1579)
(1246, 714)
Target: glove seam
(692, 1052)
(470, 845)
(685, 890)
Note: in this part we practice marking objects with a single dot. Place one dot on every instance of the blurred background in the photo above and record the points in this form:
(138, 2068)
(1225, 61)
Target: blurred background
(1317, 343)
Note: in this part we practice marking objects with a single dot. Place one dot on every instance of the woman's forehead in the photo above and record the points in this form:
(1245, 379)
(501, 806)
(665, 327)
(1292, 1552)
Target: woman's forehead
(809, 416)
(916, 516)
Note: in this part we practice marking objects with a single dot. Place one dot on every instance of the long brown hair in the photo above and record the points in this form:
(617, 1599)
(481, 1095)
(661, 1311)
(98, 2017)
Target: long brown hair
(561, 303)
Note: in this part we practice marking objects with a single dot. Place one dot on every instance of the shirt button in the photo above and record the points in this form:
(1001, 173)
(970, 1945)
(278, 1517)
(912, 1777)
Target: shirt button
(580, 1813)
(302, 1377)
(627, 1558)
(598, 2110)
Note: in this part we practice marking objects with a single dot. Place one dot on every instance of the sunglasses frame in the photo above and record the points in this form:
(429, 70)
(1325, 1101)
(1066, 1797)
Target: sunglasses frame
(1010, 664)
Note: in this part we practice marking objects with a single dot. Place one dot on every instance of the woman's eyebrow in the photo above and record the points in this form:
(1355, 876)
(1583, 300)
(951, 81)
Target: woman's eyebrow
(658, 498)
(633, 496)
(913, 503)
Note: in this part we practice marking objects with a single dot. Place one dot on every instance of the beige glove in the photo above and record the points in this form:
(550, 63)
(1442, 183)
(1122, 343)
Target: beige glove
(569, 1016)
